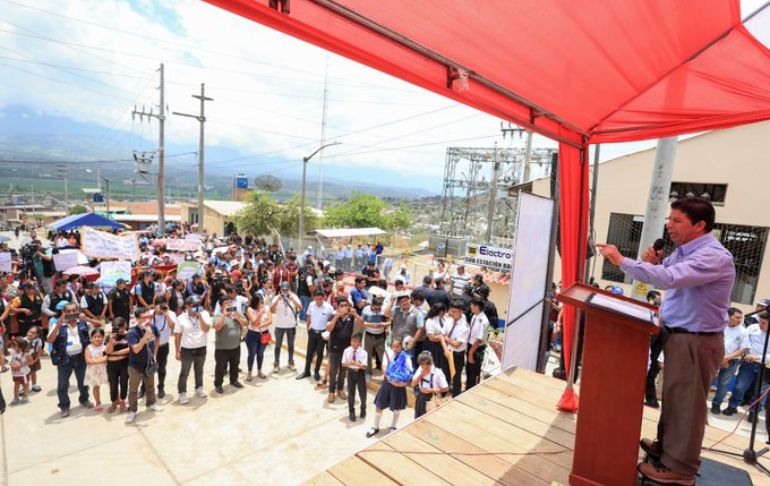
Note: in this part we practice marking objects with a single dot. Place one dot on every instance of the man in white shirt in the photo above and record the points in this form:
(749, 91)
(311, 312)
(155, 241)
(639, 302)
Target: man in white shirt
(375, 324)
(190, 332)
(751, 364)
(456, 332)
(284, 308)
(477, 339)
(164, 321)
(319, 313)
(736, 345)
(240, 302)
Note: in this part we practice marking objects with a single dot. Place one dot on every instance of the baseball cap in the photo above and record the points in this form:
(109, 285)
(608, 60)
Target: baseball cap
(236, 273)
(120, 281)
(61, 305)
(285, 285)
(764, 303)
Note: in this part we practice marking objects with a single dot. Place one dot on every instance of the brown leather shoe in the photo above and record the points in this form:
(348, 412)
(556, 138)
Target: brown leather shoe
(664, 475)
(342, 395)
(331, 398)
(652, 447)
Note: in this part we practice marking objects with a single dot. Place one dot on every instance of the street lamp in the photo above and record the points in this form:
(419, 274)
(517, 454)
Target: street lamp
(305, 160)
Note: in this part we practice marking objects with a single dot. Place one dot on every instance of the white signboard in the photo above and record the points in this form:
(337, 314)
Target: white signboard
(193, 236)
(526, 298)
(100, 244)
(65, 260)
(112, 271)
(488, 256)
(6, 264)
(186, 270)
(176, 244)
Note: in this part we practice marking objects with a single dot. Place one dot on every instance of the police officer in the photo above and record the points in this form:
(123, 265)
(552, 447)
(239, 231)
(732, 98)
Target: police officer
(28, 309)
(94, 305)
(60, 293)
(119, 301)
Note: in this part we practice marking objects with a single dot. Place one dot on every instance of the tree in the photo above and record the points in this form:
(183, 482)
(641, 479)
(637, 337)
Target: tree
(259, 215)
(400, 219)
(263, 213)
(360, 211)
(78, 209)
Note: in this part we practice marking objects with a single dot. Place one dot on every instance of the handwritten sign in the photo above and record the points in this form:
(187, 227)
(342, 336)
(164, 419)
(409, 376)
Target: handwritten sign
(186, 270)
(99, 244)
(176, 244)
(64, 260)
(112, 271)
(6, 265)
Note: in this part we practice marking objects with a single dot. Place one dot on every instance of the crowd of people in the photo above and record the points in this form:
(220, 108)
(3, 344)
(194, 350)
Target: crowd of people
(430, 339)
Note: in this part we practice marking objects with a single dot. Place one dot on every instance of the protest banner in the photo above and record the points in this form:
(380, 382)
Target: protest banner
(186, 270)
(64, 260)
(100, 244)
(176, 244)
(193, 236)
(112, 271)
(6, 264)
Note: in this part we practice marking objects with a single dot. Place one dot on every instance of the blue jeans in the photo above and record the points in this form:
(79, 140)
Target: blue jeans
(76, 363)
(723, 381)
(305, 301)
(747, 376)
(255, 349)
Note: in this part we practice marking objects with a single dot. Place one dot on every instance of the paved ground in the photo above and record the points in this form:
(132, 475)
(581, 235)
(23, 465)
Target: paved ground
(275, 431)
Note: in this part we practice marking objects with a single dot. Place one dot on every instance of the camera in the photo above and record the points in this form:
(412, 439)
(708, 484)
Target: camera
(231, 309)
(164, 307)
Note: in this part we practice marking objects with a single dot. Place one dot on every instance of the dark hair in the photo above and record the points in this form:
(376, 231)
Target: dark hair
(697, 209)
(319, 293)
(426, 280)
(342, 300)
(398, 282)
(360, 279)
(418, 294)
(139, 311)
(478, 303)
(653, 294)
(223, 300)
(98, 330)
(733, 310)
(435, 310)
(425, 357)
(256, 299)
(118, 322)
(764, 316)
(357, 337)
(377, 301)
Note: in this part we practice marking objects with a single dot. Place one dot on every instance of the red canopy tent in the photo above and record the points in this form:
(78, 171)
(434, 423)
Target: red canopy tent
(577, 72)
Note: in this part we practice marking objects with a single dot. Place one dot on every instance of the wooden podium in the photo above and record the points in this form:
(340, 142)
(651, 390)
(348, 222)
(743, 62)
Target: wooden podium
(614, 367)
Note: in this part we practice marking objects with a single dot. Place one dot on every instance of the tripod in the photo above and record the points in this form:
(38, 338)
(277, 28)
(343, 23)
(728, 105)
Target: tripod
(751, 455)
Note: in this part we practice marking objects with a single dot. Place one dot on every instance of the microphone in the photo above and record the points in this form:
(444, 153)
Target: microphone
(658, 245)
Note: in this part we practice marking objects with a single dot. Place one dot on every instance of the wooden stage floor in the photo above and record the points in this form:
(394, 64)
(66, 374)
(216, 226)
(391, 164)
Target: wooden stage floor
(505, 431)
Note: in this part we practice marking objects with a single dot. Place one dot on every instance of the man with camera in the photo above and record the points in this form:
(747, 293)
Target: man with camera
(190, 332)
(142, 355)
(284, 308)
(340, 331)
(164, 320)
(69, 337)
(229, 323)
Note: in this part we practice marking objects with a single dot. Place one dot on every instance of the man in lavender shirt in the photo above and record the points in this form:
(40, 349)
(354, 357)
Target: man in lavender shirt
(698, 278)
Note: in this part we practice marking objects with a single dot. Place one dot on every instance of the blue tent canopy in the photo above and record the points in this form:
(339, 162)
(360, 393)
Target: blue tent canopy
(86, 219)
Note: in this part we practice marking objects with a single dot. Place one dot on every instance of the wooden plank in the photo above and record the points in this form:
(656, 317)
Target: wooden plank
(399, 467)
(563, 420)
(524, 439)
(353, 471)
(534, 464)
(324, 479)
(433, 459)
(493, 466)
(521, 420)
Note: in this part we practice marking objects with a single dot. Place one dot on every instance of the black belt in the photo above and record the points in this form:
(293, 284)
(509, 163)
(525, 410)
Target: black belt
(679, 330)
(375, 334)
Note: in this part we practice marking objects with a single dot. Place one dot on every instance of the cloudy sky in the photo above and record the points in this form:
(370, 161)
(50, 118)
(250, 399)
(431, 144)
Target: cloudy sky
(93, 60)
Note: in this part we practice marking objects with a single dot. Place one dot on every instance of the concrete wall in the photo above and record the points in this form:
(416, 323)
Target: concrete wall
(738, 157)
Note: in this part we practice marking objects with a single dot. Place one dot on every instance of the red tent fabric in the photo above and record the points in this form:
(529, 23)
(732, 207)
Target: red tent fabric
(577, 72)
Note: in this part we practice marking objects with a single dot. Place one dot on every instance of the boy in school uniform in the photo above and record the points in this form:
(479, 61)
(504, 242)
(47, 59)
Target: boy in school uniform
(354, 358)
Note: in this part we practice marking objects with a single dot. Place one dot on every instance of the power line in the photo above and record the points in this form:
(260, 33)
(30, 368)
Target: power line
(83, 162)
(389, 149)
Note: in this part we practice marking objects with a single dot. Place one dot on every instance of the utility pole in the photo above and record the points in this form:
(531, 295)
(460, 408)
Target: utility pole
(323, 137)
(106, 193)
(305, 160)
(161, 117)
(527, 158)
(493, 195)
(657, 204)
(202, 120)
(64, 174)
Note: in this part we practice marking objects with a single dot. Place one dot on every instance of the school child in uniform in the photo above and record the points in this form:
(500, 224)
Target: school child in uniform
(429, 380)
(456, 332)
(392, 393)
(354, 358)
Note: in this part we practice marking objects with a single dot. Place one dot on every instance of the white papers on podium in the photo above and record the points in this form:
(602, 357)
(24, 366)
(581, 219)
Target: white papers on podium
(623, 307)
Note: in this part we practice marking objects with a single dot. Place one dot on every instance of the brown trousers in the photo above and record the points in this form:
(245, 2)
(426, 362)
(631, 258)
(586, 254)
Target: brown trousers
(691, 362)
(135, 378)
